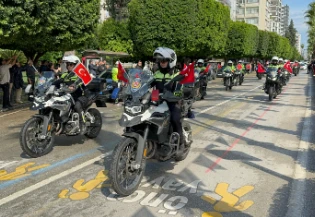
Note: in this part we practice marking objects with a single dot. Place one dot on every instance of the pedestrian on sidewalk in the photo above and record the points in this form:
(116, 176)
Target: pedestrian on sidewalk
(18, 82)
(5, 81)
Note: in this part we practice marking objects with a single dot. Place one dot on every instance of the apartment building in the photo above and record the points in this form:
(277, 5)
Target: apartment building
(232, 5)
(104, 14)
(256, 12)
(284, 19)
(275, 16)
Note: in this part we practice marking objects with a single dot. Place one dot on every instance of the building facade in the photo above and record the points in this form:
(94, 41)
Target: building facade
(275, 16)
(256, 12)
(232, 5)
(284, 19)
(104, 14)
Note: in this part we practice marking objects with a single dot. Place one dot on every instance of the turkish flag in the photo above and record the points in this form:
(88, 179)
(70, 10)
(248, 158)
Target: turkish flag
(121, 73)
(83, 73)
(260, 68)
(207, 69)
(288, 67)
(189, 74)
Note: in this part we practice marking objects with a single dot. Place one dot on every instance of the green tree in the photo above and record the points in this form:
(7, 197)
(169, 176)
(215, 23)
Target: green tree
(291, 34)
(262, 50)
(115, 36)
(191, 28)
(36, 27)
(310, 16)
(243, 40)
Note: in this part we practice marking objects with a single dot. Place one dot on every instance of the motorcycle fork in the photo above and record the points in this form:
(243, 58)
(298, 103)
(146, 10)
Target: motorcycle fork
(141, 152)
(45, 125)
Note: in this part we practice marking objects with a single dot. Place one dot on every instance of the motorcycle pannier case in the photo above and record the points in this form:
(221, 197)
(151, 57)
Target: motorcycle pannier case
(96, 85)
(115, 93)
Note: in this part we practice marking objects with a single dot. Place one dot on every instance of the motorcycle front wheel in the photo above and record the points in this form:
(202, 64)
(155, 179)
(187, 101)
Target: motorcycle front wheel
(29, 141)
(271, 90)
(124, 179)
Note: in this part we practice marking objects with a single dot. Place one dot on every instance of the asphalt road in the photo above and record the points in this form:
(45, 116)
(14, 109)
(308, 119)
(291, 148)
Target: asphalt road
(250, 157)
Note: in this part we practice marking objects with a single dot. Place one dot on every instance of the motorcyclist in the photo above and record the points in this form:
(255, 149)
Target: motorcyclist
(200, 65)
(75, 87)
(229, 66)
(280, 63)
(240, 67)
(166, 78)
(273, 64)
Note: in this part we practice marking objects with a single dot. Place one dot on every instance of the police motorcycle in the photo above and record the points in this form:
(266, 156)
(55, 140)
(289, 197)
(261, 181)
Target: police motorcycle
(56, 115)
(200, 88)
(273, 86)
(238, 76)
(228, 79)
(148, 133)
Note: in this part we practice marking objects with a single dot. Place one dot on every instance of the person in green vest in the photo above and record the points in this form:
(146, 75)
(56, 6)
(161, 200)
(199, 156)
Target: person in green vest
(166, 78)
(280, 63)
(115, 72)
(229, 66)
(200, 65)
(76, 88)
(274, 64)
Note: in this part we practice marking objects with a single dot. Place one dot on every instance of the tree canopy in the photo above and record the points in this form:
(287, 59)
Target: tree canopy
(36, 27)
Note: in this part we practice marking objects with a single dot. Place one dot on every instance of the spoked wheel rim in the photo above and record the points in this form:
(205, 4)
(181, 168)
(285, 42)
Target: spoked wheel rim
(94, 127)
(127, 177)
(33, 143)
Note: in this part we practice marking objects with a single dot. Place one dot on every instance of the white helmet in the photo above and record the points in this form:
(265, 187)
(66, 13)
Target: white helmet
(280, 59)
(201, 61)
(71, 59)
(166, 53)
(116, 62)
(240, 61)
(230, 61)
(275, 58)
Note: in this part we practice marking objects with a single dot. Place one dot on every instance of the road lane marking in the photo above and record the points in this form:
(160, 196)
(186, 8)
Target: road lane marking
(43, 170)
(236, 141)
(12, 113)
(297, 199)
(51, 179)
(20, 171)
(226, 101)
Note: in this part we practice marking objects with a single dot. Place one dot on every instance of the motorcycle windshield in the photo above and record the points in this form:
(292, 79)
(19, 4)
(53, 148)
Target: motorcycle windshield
(139, 83)
(44, 81)
(272, 72)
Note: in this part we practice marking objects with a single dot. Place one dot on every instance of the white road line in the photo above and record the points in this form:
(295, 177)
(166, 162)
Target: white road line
(13, 112)
(4, 164)
(51, 179)
(226, 101)
(297, 199)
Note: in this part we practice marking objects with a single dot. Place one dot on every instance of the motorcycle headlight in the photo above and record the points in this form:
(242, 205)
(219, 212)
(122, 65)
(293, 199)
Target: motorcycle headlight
(134, 109)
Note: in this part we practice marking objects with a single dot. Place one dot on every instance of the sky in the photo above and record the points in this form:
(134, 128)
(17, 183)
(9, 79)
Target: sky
(297, 10)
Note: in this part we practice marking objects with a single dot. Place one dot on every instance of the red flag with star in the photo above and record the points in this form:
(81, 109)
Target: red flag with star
(287, 66)
(189, 74)
(83, 73)
(207, 69)
(121, 73)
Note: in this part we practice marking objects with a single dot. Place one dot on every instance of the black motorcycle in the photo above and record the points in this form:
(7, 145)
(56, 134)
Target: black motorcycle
(273, 85)
(57, 116)
(148, 133)
(200, 85)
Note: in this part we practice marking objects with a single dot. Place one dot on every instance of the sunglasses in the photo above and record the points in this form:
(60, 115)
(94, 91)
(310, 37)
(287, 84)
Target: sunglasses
(163, 61)
(70, 64)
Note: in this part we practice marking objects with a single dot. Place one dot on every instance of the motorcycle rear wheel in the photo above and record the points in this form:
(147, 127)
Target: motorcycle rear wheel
(95, 128)
(187, 129)
(29, 141)
(124, 179)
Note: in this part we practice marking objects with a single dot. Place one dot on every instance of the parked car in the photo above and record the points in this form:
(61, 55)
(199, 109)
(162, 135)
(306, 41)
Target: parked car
(303, 66)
